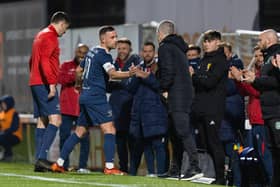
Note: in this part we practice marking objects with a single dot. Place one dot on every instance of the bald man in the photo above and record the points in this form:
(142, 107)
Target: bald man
(69, 103)
(268, 86)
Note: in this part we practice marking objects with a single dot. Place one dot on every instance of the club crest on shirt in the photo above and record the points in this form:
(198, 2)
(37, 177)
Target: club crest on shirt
(208, 66)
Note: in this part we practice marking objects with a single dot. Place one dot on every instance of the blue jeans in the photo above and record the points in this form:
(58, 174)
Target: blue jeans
(65, 131)
(257, 138)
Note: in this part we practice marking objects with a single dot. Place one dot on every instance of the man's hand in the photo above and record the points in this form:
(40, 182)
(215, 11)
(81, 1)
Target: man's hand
(235, 73)
(249, 76)
(165, 95)
(276, 61)
(142, 74)
(132, 70)
(52, 91)
(191, 70)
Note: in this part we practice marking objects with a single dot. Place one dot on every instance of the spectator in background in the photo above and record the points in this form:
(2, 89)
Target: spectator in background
(44, 70)
(10, 127)
(268, 86)
(193, 55)
(257, 136)
(209, 102)
(149, 116)
(233, 123)
(121, 102)
(176, 88)
(69, 105)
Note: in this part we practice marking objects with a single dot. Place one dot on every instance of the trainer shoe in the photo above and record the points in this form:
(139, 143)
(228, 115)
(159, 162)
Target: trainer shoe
(42, 165)
(56, 168)
(83, 170)
(192, 174)
(113, 171)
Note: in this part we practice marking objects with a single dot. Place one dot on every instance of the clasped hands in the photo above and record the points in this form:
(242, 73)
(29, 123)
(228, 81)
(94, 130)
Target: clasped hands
(138, 71)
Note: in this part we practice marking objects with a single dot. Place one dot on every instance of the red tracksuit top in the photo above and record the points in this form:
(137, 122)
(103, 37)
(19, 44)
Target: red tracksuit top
(254, 105)
(69, 97)
(44, 60)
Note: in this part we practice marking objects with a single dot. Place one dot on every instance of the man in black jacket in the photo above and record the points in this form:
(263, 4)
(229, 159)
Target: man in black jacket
(175, 83)
(269, 87)
(209, 102)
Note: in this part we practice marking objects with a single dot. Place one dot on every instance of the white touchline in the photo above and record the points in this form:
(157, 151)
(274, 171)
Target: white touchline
(61, 180)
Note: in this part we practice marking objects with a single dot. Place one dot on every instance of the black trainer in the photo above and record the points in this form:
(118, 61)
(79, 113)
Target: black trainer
(42, 165)
(192, 174)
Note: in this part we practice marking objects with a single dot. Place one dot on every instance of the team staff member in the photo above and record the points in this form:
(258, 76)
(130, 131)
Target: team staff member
(268, 85)
(69, 104)
(208, 107)
(176, 86)
(121, 103)
(44, 68)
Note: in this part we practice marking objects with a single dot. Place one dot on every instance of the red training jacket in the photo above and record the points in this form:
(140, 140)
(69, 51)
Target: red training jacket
(69, 97)
(254, 106)
(44, 60)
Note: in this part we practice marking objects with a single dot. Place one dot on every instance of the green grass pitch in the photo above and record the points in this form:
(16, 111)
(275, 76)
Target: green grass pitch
(22, 175)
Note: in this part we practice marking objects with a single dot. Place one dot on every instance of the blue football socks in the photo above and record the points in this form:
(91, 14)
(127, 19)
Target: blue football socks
(47, 141)
(68, 146)
(39, 134)
(109, 147)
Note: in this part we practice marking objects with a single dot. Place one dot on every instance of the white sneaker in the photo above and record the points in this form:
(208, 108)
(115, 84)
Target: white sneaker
(83, 170)
(151, 175)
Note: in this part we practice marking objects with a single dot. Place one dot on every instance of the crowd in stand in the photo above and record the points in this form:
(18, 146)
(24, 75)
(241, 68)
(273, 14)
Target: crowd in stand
(194, 102)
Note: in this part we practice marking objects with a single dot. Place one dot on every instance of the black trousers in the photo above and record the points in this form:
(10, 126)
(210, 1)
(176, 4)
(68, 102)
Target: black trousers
(274, 134)
(124, 148)
(180, 121)
(208, 137)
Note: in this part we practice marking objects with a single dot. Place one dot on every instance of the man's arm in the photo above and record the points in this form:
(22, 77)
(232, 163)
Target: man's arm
(113, 74)
(209, 79)
(48, 47)
(166, 68)
(78, 78)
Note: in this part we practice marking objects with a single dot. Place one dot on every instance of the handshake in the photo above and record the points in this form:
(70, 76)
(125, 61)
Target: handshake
(138, 71)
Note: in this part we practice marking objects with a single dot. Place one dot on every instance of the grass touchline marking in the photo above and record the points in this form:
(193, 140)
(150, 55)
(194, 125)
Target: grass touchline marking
(61, 180)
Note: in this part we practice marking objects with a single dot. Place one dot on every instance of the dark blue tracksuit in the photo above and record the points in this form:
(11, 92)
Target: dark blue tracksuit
(149, 121)
(121, 103)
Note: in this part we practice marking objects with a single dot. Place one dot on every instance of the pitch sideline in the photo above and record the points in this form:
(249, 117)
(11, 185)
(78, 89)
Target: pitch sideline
(62, 180)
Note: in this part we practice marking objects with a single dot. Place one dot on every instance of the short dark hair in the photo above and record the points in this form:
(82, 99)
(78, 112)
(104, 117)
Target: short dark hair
(60, 16)
(150, 43)
(124, 40)
(194, 47)
(212, 35)
(105, 29)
